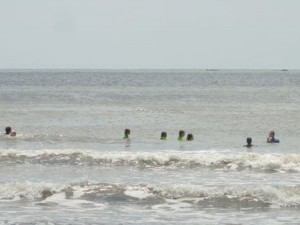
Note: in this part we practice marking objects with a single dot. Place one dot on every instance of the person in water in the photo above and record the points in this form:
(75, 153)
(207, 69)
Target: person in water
(181, 135)
(13, 133)
(249, 142)
(190, 137)
(163, 136)
(7, 130)
(126, 134)
(271, 138)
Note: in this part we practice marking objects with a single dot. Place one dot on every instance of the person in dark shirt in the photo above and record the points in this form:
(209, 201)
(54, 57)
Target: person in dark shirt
(249, 142)
(190, 137)
(7, 130)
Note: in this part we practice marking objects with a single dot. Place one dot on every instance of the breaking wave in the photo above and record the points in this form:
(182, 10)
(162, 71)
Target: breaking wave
(153, 196)
(206, 160)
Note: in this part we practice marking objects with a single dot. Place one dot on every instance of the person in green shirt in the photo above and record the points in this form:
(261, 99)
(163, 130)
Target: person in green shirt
(163, 136)
(126, 134)
(181, 135)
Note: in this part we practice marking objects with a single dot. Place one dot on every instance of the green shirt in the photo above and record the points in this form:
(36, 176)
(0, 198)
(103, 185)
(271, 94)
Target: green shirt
(180, 139)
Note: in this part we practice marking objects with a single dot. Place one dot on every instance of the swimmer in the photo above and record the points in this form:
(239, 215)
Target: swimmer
(163, 136)
(181, 135)
(7, 130)
(190, 137)
(13, 133)
(126, 134)
(249, 142)
(271, 138)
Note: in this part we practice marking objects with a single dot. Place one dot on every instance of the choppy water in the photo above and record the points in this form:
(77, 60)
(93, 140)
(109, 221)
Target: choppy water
(70, 165)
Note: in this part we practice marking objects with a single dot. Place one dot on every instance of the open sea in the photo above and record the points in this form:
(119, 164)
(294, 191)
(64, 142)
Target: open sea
(69, 163)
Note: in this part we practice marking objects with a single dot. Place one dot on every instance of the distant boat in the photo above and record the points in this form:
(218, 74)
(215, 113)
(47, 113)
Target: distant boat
(212, 70)
(284, 70)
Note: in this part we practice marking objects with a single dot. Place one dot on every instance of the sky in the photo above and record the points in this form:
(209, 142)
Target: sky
(149, 34)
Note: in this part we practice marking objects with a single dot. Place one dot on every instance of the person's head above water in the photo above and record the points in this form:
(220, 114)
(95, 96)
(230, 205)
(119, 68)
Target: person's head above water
(163, 136)
(7, 130)
(181, 133)
(271, 138)
(126, 133)
(190, 137)
(13, 133)
(249, 140)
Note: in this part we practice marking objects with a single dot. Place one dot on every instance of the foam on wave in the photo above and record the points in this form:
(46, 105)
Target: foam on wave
(198, 196)
(167, 159)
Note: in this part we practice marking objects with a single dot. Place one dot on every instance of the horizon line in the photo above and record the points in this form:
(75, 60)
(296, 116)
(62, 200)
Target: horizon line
(206, 69)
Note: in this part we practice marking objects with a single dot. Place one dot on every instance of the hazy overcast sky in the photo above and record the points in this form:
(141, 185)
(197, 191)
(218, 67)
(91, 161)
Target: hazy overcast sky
(158, 34)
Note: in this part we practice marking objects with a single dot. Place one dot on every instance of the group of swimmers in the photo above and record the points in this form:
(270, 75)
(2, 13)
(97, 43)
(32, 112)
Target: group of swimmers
(190, 137)
(164, 135)
(270, 139)
(10, 132)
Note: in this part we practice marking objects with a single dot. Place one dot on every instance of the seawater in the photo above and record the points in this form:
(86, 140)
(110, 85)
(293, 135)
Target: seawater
(70, 165)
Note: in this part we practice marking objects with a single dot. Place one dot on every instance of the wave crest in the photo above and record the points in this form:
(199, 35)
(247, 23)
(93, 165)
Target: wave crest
(240, 162)
(196, 195)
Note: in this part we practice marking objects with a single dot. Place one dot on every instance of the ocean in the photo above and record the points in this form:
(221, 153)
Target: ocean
(69, 163)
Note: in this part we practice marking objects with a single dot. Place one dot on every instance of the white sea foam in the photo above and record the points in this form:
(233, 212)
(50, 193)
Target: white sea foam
(89, 194)
(167, 159)
(138, 192)
(31, 191)
(276, 196)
